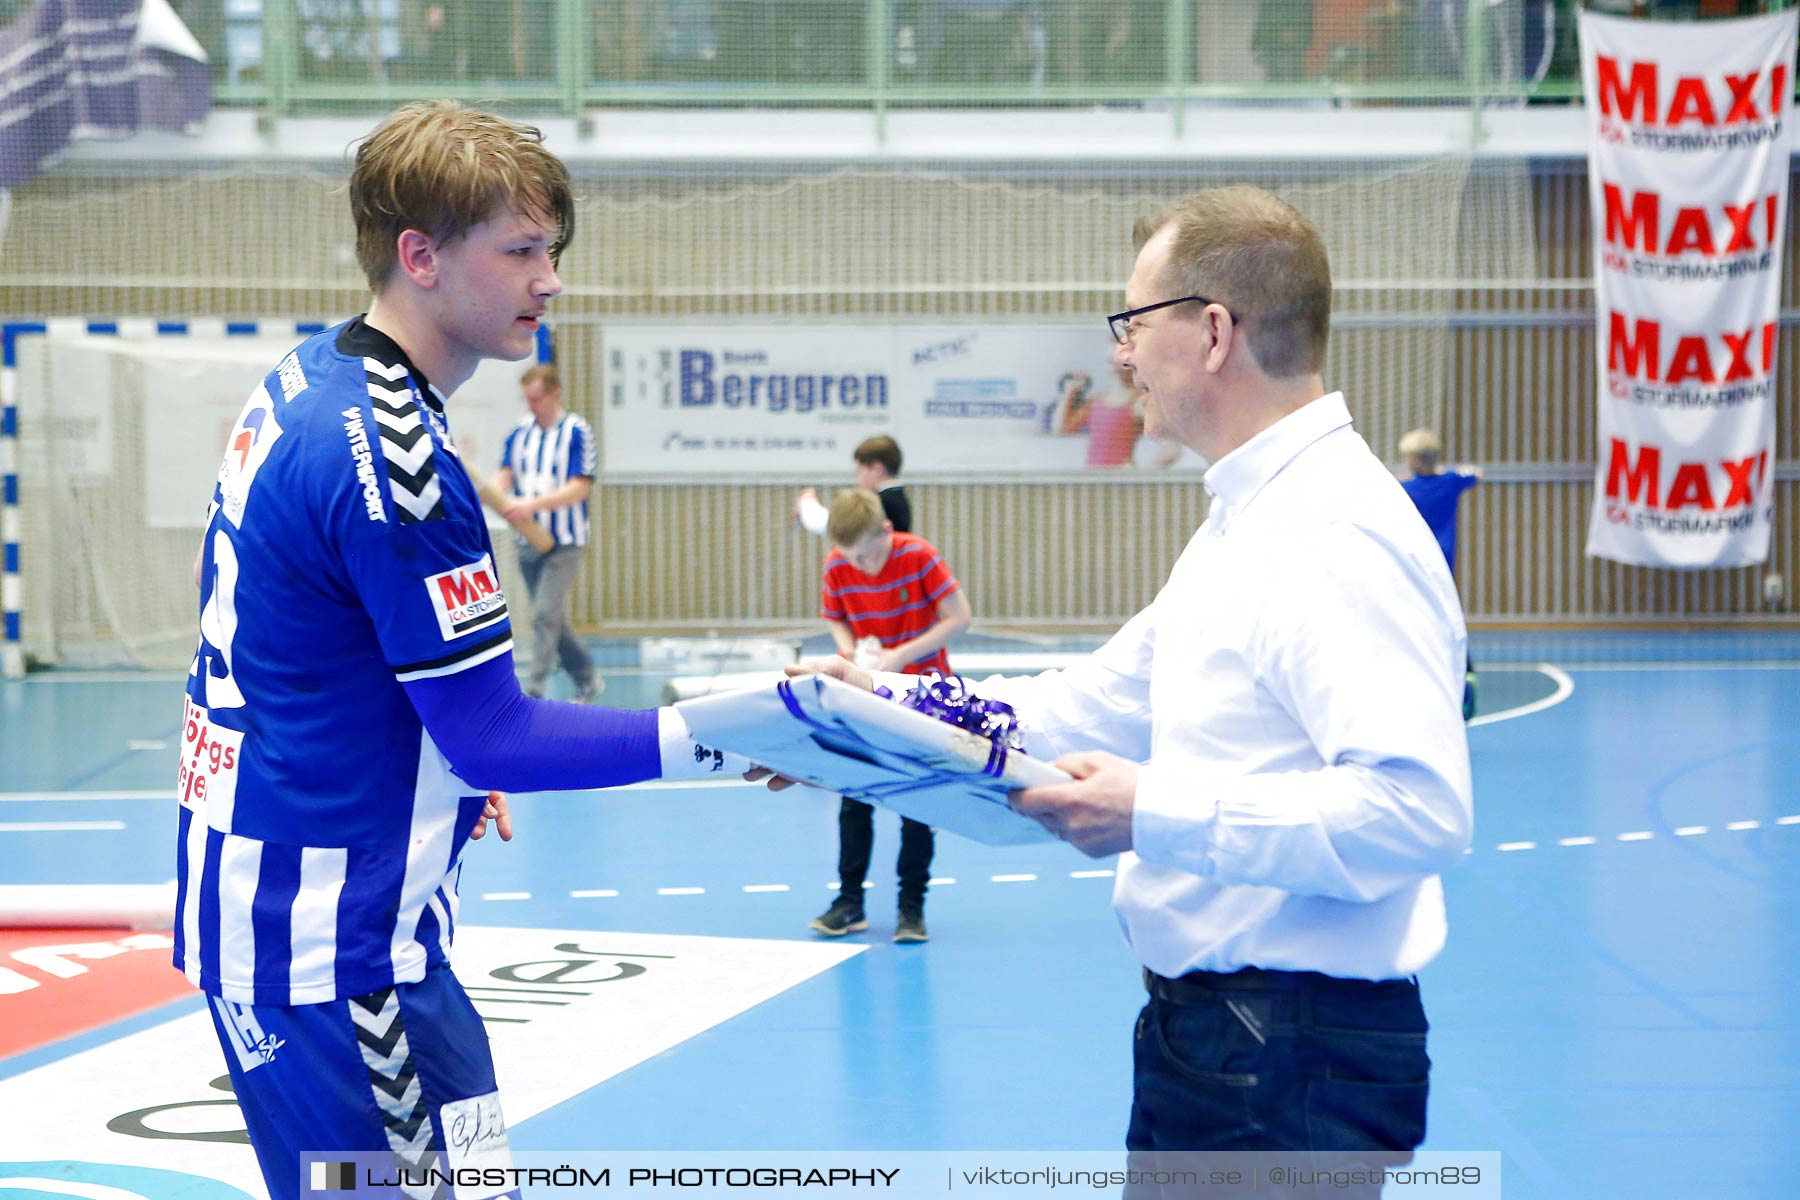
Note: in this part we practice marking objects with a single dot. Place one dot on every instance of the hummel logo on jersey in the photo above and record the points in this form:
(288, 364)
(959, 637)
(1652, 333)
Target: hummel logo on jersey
(466, 598)
(405, 444)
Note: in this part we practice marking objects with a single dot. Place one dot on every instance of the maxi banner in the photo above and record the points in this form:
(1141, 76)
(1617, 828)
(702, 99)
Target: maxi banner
(741, 401)
(1688, 137)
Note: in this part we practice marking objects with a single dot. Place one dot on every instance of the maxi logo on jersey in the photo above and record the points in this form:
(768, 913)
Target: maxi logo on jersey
(466, 598)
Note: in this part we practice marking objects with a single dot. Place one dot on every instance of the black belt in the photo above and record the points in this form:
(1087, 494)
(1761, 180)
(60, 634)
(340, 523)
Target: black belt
(1203, 987)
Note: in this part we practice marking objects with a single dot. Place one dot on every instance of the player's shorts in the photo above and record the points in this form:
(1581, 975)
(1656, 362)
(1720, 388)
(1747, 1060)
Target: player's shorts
(404, 1070)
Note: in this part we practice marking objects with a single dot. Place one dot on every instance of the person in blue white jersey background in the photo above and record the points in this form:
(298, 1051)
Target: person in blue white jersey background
(1436, 492)
(548, 463)
(353, 698)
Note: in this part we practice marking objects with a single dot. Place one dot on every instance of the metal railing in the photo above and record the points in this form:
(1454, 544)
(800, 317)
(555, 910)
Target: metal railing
(290, 57)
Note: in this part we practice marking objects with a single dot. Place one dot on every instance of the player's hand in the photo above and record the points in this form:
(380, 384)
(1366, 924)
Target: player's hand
(805, 495)
(891, 660)
(777, 783)
(519, 510)
(1093, 811)
(838, 668)
(496, 811)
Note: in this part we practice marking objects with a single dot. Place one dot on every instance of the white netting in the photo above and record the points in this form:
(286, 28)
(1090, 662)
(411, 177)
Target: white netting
(120, 440)
(707, 243)
(107, 569)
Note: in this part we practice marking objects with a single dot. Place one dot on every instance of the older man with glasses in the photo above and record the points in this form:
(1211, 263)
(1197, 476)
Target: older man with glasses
(1274, 748)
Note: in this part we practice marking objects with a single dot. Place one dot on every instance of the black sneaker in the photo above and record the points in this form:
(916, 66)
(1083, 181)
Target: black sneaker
(844, 916)
(911, 926)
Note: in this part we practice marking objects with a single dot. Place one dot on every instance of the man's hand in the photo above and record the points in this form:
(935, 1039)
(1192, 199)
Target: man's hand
(892, 660)
(838, 668)
(520, 510)
(497, 812)
(1092, 813)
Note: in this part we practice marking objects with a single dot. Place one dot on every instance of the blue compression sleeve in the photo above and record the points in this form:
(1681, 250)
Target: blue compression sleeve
(497, 737)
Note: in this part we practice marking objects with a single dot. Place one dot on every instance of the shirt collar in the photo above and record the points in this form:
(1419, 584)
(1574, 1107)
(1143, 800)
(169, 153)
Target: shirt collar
(360, 339)
(1237, 477)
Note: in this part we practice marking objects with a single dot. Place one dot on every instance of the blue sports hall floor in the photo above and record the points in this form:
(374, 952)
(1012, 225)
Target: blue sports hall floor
(1615, 1013)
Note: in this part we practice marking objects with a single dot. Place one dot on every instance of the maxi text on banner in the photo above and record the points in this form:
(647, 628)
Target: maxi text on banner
(746, 401)
(1688, 146)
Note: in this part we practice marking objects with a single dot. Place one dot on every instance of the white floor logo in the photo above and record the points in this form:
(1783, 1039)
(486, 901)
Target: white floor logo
(565, 1010)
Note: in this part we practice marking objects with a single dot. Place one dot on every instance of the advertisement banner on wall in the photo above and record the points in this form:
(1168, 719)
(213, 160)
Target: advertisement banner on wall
(1688, 169)
(742, 401)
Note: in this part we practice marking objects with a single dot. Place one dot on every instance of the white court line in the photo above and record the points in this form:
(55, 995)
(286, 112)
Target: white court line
(1013, 878)
(1565, 687)
(1779, 664)
(593, 894)
(1645, 835)
(30, 797)
(1090, 874)
(147, 744)
(766, 887)
(109, 678)
(59, 826)
(506, 895)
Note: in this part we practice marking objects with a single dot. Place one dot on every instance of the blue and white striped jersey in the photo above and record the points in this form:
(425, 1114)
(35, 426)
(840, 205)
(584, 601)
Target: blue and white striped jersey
(542, 460)
(321, 828)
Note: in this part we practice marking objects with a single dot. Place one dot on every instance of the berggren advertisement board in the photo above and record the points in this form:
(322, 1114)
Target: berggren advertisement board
(742, 401)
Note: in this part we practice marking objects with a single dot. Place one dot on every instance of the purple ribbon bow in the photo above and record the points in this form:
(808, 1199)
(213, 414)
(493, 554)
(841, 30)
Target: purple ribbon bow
(948, 699)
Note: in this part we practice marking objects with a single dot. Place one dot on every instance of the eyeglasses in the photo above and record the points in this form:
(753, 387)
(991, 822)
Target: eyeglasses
(1120, 323)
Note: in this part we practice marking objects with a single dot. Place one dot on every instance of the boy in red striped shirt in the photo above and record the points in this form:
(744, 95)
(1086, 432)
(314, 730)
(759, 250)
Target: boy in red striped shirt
(895, 588)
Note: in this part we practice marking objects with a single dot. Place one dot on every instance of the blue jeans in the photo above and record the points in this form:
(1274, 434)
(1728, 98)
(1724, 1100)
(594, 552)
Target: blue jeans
(1281, 1061)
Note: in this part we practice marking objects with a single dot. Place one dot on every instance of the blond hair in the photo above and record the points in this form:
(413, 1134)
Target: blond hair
(855, 513)
(442, 168)
(1255, 254)
(1423, 445)
(544, 373)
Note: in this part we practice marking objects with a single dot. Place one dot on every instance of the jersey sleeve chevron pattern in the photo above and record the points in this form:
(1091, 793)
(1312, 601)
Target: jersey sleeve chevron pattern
(406, 443)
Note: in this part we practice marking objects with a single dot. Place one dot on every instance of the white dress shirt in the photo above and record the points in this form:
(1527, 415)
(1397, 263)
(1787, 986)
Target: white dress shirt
(1294, 697)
